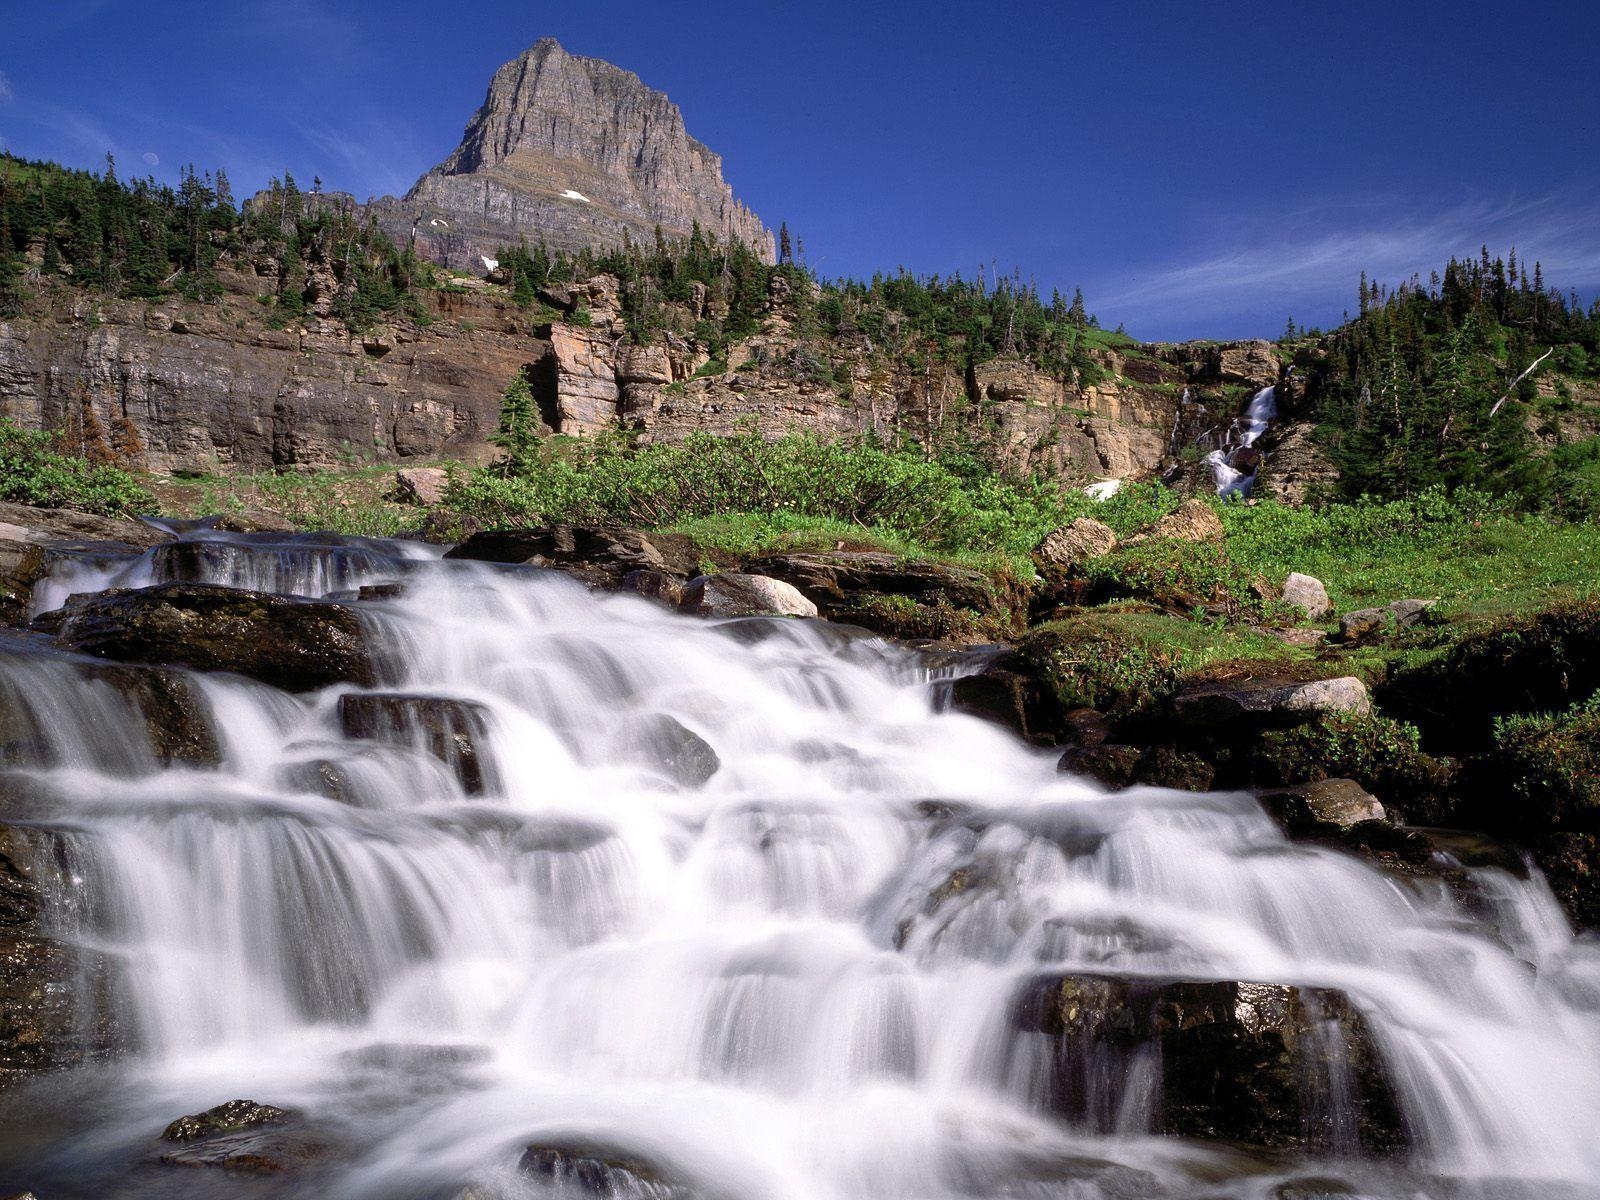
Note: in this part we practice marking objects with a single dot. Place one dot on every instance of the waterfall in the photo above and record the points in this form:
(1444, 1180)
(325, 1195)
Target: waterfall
(488, 909)
(1236, 463)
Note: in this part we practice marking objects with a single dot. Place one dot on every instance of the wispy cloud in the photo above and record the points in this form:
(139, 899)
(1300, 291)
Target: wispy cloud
(1307, 262)
(376, 157)
(5, 88)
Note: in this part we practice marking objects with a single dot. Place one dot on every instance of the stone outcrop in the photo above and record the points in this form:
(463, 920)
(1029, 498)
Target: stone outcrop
(56, 998)
(187, 387)
(1084, 539)
(737, 594)
(32, 538)
(1263, 1064)
(577, 152)
(295, 644)
(1307, 594)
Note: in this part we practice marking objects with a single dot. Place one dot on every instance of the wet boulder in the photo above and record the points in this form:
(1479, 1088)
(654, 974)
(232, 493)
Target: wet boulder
(229, 1117)
(298, 645)
(32, 538)
(594, 1169)
(56, 999)
(248, 1138)
(599, 554)
(175, 716)
(654, 585)
(736, 594)
(1268, 1065)
(449, 729)
(668, 745)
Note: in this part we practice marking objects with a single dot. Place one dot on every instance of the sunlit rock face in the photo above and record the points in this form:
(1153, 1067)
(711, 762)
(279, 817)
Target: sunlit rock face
(577, 152)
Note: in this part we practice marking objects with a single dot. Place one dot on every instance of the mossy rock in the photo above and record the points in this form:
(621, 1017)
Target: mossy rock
(1381, 754)
(1087, 662)
(1540, 663)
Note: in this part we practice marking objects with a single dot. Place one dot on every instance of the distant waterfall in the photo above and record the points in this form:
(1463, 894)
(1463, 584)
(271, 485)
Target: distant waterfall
(1236, 463)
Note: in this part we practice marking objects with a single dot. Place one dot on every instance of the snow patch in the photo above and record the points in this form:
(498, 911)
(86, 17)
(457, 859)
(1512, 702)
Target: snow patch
(1103, 490)
(489, 264)
(570, 194)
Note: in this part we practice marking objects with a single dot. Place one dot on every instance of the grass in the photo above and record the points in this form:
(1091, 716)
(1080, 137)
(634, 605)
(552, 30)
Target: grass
(350, 501)
(1474, 555)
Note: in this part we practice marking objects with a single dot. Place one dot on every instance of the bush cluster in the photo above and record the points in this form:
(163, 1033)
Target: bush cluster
(32, 471)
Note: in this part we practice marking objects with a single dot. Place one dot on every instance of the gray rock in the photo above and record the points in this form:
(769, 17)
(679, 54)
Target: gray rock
(1269, 701)
(575, 152)
(734, 594)
(1084, 539)
(1364, 624)
(1410, 612)
(421, 485)
(1307, 592)
(1337, 803)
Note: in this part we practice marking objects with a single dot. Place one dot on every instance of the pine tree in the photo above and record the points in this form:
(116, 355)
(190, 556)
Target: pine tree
(785, 249)
(518, 431)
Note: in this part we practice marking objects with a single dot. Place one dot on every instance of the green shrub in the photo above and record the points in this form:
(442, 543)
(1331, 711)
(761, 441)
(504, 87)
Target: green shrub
(1085, 662)
(1382, 755)
(32, 472)
(878, 492)
(1544, 771)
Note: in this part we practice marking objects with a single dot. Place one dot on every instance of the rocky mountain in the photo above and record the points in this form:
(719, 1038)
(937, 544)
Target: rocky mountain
(576, 151)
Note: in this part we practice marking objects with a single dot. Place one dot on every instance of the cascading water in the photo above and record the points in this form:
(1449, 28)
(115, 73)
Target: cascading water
(487, 907)
(1236, 463)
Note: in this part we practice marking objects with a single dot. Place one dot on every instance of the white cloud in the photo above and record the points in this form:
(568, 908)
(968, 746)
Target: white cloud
(1308, 262)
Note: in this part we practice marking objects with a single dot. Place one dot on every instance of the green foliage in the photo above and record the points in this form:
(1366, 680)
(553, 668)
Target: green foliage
(869, 487)
(1546, 768)
(1382, 755)
(1409, 394)
(33, 472)
(1471, 550)
(900, 318)
(147, 240)
(519, 428)
(1088, 662)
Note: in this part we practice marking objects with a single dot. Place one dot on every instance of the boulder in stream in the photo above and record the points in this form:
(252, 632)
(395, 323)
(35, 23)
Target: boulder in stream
(298, 645)
(56, 999)
(1268, 1065)
(448, 728)
(736, 594)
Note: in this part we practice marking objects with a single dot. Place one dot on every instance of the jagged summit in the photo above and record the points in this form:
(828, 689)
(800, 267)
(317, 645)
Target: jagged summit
(575, 150)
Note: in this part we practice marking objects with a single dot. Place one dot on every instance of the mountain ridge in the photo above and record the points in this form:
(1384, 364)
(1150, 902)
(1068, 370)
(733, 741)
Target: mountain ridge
(577, 152)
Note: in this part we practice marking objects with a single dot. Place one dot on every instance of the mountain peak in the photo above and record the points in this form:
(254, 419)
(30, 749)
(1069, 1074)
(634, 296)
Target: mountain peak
(577, 151)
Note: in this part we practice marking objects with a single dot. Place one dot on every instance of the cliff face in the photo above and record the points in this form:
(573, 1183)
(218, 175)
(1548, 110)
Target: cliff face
(174, 386)
(573, 150)
(183, 387)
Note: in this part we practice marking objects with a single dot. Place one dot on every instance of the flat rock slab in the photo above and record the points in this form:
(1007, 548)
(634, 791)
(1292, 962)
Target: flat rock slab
(298, 645)
(1270, 701)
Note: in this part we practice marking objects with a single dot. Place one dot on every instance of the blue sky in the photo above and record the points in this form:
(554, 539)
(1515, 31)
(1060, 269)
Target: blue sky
(1199, 168)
